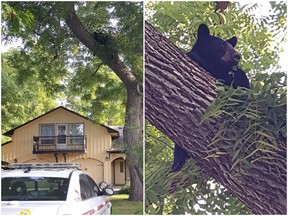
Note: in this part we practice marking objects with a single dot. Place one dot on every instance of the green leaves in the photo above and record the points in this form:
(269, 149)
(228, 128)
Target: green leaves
(22, 100)
(250, 121)
(189, 191)
(18, 20)
(98, 94)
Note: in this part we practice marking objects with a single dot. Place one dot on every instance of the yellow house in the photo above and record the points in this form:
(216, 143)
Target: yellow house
(62, 135)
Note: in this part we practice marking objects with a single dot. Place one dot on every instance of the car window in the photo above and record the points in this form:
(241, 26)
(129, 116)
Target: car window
(86, 189)
(34, 188)
(93, 185)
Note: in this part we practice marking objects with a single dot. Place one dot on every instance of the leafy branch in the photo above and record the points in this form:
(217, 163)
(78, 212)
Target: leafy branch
(253, 122)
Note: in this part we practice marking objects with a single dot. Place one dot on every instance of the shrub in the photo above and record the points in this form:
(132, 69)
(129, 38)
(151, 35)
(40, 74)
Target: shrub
(126, 188)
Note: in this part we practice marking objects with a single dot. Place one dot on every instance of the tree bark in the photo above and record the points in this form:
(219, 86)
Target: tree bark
(133, 137)
(177, 92)
(133, 134)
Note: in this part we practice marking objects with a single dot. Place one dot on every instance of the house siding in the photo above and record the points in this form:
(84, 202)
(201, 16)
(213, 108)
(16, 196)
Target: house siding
(95, 160)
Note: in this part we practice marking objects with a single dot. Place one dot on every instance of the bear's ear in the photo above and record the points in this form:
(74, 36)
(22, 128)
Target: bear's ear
(232, 41)
(203, 31)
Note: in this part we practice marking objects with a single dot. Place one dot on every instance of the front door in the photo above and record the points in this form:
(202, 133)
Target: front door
(61, 136)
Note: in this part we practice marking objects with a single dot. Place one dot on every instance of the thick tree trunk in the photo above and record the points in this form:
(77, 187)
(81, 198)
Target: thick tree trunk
(177, 92)
(133, 137)
(133, 128)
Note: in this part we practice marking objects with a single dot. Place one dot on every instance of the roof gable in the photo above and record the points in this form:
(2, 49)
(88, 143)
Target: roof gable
(113, 132)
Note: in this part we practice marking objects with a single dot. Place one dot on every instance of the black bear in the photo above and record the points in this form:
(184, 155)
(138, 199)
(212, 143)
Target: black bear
(219, 58)
(102, 37)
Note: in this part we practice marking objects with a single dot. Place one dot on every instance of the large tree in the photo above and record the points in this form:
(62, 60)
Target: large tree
(177, 94)
(63, 32)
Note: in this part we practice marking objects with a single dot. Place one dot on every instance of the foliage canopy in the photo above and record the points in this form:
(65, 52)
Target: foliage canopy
(68, 70)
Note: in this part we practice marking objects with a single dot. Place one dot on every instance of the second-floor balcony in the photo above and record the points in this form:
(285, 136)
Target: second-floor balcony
(59, 144)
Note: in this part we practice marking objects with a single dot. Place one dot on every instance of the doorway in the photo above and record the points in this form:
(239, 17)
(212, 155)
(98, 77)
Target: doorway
(61, 136)
(119, 171)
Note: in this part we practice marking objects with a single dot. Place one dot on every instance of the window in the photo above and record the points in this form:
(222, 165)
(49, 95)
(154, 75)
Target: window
(64, 132)
(94, 185)
(47, 132)
(76, 133)
(121, 166)
(76, 129)
(86, 189)
(34, 188)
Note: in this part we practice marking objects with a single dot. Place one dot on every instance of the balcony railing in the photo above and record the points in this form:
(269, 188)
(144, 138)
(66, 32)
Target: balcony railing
(62, 143)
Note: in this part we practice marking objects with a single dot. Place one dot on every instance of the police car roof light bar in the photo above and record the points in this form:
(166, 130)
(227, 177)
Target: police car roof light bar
(43, 165)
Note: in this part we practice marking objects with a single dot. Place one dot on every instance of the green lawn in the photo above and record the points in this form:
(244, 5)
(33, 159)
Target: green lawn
(122, 206)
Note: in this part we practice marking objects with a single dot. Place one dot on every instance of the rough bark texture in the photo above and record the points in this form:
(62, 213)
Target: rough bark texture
(134, 116)
(177, 92)
(133, 137)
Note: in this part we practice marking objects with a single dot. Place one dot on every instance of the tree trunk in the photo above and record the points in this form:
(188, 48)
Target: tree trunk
(133, 137)
(133, 128)
(177, 92)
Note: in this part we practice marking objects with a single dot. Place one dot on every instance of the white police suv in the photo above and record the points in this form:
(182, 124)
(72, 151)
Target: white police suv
(52, 189)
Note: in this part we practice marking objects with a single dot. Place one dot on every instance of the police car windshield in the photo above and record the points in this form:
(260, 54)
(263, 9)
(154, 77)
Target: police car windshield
(34, 189)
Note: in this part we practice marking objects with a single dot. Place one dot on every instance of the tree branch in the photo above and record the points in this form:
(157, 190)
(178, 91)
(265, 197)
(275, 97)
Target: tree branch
(177, 93)
(106, 55)
(97, 70)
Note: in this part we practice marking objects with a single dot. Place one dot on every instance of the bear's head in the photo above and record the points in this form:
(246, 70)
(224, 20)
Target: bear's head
(217, 53)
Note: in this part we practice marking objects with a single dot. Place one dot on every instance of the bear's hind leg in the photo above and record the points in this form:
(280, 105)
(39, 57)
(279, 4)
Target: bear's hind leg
(180, 157)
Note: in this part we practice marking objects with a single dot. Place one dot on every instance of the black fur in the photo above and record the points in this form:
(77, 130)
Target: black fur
(219, 58)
